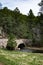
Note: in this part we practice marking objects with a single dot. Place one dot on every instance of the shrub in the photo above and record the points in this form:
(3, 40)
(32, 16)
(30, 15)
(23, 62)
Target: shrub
(11, 44)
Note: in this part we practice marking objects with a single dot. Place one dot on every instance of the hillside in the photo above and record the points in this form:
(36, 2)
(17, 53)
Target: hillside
(17, 25)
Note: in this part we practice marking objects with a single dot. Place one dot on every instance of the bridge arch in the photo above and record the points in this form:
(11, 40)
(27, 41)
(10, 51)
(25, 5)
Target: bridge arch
(21, 45)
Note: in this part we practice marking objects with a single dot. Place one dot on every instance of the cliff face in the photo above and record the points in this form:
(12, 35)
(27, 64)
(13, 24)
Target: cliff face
(2, 33)
(36, 32)
(3, 43)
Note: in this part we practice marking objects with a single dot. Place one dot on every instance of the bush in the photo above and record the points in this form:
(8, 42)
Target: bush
(11, 44)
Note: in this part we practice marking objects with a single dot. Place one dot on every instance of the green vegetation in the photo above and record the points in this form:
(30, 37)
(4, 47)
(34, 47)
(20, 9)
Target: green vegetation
(22, 26)
(11, 44)
(20, 58)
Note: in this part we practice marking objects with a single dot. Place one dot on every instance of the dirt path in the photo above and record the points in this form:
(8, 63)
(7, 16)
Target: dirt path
(1, 64)
(35, 48)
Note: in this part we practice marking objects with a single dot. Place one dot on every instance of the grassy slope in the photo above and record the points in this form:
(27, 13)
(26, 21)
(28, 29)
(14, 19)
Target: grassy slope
(20, 58)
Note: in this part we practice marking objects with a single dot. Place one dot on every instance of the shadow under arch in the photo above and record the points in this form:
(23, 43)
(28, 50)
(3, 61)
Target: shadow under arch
(21, 46)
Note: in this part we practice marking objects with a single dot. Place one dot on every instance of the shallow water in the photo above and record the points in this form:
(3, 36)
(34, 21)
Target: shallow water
(31, 50)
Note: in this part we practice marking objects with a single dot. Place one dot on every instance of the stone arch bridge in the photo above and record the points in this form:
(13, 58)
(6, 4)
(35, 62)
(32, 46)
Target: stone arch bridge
(21, 43)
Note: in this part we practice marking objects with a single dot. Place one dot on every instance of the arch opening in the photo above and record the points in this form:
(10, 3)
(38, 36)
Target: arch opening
(21, 46)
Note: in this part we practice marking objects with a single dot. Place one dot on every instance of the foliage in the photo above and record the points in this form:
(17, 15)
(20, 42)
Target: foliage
(21, 26)
(11, 43)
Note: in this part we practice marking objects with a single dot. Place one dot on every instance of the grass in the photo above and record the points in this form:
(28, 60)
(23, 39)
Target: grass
(20, 58)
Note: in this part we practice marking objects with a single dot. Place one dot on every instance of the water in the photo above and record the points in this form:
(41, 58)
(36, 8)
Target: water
(31, 50)
(26, 50)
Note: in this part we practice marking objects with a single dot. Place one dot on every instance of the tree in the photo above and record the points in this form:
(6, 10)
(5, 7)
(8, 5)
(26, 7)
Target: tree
(30, 20)
(11, 43)
(16, 10)
(30, 14)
